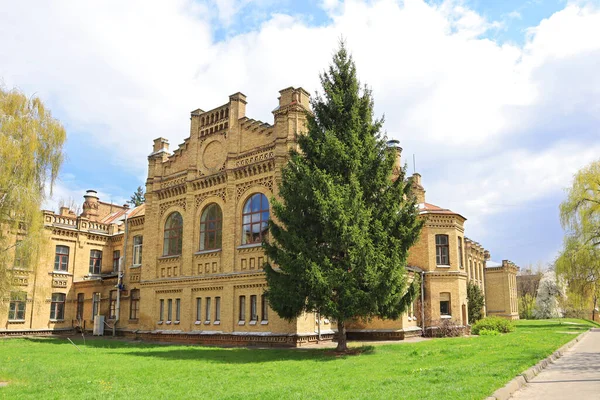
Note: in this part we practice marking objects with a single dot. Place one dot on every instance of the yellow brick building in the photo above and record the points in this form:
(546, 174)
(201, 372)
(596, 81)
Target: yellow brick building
(187, 265)
(501, 292)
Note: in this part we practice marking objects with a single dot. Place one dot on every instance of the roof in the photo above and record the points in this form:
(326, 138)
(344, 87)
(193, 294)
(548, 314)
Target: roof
(428, 208)
(118, 216)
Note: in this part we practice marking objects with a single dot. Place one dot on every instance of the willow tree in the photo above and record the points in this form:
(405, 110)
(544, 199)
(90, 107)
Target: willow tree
(579, 261)
(579, 265)
(31, 143)
(343, 225)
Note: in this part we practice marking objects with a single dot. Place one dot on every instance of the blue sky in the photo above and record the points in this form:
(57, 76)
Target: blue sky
(499, 101)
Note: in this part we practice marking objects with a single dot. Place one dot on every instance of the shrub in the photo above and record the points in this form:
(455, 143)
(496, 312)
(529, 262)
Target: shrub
(488, 332)
(497, 324)
(446, 328)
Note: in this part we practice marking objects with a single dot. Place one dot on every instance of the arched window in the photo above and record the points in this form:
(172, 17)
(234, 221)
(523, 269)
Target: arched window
(173, 235)
(254, 219)
(211, 226)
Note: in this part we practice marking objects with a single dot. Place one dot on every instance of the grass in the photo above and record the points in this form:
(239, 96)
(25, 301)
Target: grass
(457, 368)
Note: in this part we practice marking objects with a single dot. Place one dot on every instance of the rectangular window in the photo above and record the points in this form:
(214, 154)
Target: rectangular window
(137, 250)
(198, 309)
(217, 309)
(95, 305)
(177, 309)
(16, 310)
(57, 306)
(460, 253)
(442, 253)
(169, 309)
(80, 302)
(264, 305)
(112, 305)
(242, 308)
(161, 310)
(116, 258)
(61, 258)
(95, 262)
(253, 311)
(18, 255)
(445, 303)
(134, 304)
(207, 310)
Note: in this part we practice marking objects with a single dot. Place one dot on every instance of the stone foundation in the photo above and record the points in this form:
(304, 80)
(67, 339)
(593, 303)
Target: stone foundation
(382, 334)
(224, 339)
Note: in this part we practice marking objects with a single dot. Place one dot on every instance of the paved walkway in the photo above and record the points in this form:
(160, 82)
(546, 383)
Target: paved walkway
(576, 375)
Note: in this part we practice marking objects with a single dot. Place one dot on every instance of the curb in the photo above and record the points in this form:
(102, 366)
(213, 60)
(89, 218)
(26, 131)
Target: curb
(504, 393)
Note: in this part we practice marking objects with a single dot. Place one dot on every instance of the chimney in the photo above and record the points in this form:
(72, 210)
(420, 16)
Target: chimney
(160, 144)
(237, 106)
(394, 145)
(90, 205)
(417, 188)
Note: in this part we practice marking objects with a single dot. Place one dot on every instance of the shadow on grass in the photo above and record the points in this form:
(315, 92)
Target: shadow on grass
(225, 355)
(552, 326)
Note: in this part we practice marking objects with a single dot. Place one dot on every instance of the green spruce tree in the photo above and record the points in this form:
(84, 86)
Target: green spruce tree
(137, 198)
(343, 226)
(475, 302)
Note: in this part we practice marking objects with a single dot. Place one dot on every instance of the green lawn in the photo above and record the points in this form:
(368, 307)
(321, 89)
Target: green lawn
(459, 368)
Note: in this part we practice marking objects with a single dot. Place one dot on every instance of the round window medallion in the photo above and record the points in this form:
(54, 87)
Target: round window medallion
(213, 156)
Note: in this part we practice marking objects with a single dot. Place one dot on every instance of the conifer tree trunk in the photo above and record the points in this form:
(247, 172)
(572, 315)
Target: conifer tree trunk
(342, 344)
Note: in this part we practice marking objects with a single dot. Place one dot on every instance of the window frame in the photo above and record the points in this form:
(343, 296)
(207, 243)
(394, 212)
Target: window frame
(116, 258)
(137, 249)
(198, 309)
(18, 260)
(206, 230)
(80, 306)
(169, 310)
(134, 304)
(95, 262)
(207, 310)
(264, 307)
(253, 308)
(112, 304)
(173, 234)
(96, 302)
(177, 310)
(61, 259)
(461, 263)
(242, 309)
(161, 310)
(217, 309)
(17, 306)
(57, 306)
(445, 304)
(252, 217)
(440, 248)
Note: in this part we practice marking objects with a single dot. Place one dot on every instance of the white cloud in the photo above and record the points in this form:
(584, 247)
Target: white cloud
(514, 15)
(477, 113)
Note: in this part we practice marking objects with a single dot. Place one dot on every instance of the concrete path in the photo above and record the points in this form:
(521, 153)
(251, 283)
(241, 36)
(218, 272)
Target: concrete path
(576, 375)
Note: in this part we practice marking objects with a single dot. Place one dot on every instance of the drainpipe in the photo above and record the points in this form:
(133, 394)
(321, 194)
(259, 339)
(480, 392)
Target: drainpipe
(423, 302)
(35, 272)
(120, 277)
